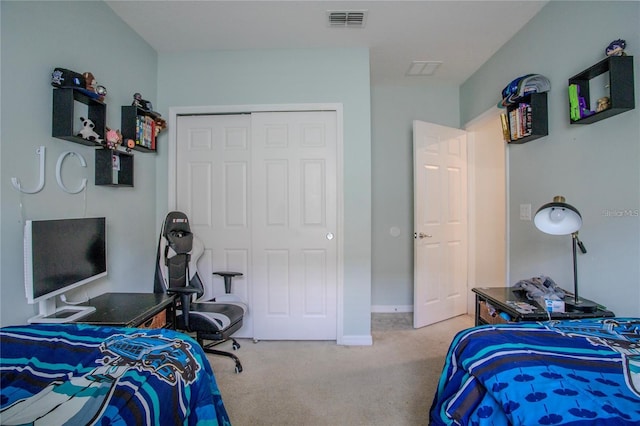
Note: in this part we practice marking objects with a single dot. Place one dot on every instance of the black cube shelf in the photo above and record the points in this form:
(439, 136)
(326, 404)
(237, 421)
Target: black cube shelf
(63, 115)
(107, 173)
(621, 86)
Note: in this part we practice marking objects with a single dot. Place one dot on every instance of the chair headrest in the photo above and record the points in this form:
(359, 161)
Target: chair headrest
(176, 221)
(178, 233)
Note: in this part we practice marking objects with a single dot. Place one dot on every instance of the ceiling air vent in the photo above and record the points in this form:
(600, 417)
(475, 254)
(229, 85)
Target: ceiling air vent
(347, 18)
(418, 68)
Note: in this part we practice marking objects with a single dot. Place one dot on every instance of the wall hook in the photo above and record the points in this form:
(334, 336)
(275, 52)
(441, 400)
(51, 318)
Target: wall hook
(83, 163)
(16, 182)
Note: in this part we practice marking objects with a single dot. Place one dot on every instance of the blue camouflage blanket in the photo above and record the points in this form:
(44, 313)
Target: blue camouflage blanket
(570, 372)
(55, 374)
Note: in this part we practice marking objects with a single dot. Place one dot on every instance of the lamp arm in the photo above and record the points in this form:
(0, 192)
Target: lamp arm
(576, 243)
(583, 249)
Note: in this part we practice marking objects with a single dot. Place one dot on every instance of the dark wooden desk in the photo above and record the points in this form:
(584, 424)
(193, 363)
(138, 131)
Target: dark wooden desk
(505, 299)
(146, 310)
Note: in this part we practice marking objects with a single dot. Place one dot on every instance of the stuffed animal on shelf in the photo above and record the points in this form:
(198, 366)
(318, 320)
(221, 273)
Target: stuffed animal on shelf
(616, 48)
(603, 103)
(161, 124)
(90, 81)
(114, 138)
(91, 86)
(87, 131)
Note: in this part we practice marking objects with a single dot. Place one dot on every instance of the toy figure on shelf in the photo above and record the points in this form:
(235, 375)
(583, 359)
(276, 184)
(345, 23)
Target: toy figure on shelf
(603, 103)
(101, 91)
(130, 145)
(87, 131)
(616, 48)
(90, 81)
(161, 124)
(141, 103)
(114, 138)
(92, 88)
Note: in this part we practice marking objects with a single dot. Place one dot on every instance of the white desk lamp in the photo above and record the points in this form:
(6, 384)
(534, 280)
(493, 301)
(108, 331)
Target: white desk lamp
(560, 218)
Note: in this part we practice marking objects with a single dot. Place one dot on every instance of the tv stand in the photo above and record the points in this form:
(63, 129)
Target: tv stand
(62, 314)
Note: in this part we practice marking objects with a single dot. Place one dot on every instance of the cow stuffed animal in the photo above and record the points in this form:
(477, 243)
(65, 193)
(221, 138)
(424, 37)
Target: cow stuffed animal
(87, 131)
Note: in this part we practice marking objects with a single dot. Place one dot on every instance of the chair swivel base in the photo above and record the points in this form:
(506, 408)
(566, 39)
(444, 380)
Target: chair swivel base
(208, 348)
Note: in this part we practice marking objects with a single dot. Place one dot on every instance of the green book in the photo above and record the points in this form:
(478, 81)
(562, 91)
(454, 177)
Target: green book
(574, 103)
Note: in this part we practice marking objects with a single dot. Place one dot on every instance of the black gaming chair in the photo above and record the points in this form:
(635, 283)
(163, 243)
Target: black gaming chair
(176, 274)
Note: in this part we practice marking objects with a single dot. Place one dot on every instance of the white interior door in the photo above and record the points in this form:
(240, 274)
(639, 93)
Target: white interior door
(440, 223)
(261, 192)
(295, 224)
(213, 168)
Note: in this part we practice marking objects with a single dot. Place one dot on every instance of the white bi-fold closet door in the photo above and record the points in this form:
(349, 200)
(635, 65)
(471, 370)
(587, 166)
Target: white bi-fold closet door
(260, 190)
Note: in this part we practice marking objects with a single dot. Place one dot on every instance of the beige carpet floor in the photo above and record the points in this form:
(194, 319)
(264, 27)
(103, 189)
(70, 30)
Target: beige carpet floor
(319, 383)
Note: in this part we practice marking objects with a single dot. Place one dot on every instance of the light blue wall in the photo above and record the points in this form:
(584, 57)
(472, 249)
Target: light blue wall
(283, 77)
(393, 109)
(82, 36)
(595, 166)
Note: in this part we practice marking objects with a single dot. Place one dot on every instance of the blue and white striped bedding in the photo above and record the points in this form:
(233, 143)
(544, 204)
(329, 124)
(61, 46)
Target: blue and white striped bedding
(571, 372)
(55, 374)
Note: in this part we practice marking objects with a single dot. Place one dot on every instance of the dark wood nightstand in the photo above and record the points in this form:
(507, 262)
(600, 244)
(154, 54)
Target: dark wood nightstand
(513, 302)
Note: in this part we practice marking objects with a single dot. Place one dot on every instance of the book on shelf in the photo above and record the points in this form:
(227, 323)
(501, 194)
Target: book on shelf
(574, 103)
(153, 134)
(138, 129)
(504, 121)
(146, 132)
(520, 122)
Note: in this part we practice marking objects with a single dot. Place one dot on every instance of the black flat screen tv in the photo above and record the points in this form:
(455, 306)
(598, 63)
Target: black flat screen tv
(60, 255)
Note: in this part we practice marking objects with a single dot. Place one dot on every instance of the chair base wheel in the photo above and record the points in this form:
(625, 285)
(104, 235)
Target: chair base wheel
(209, 350)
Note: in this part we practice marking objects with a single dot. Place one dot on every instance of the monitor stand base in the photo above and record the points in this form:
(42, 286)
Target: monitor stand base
(67, 313)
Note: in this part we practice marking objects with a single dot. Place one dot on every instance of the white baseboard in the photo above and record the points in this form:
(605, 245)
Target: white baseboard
(391, 308)
(356, 340)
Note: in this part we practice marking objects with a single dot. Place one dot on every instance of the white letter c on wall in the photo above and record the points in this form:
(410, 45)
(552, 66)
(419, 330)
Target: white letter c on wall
(83, 163)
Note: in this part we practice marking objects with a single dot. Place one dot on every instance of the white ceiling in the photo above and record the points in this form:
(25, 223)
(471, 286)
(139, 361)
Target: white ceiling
(461, 34)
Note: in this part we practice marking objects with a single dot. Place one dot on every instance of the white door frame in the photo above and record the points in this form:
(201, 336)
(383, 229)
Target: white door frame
(492, 114)
(174, 112)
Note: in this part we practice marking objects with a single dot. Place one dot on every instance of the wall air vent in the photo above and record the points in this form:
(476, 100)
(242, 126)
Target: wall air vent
(347, 18)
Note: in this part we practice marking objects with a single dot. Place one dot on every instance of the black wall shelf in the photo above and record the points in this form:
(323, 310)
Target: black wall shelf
(63, 115)
(621, 86)
(108, 174)
(539, 117)
(128, 119)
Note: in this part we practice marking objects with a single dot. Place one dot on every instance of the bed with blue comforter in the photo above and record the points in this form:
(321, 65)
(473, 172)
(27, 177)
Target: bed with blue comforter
(55, 374)
(570, 372)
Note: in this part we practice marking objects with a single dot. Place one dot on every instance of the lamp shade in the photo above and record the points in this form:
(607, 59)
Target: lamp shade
(558, 218)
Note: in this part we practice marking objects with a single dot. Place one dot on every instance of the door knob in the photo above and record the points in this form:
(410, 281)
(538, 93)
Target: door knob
(423, 235)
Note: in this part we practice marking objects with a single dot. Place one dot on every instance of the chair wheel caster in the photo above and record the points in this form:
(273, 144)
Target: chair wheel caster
(236, 346)
(238, 368)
